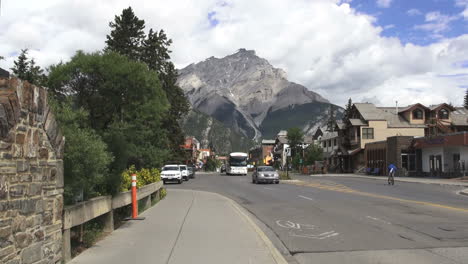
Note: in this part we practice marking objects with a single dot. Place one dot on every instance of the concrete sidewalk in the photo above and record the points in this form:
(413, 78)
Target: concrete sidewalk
(186, 227)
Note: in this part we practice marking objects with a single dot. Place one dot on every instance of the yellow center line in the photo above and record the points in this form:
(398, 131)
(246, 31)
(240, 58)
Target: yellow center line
(349, 190)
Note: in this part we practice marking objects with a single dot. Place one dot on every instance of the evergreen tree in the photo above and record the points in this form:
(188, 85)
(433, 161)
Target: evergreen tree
(155, 51)
(127, 34)
(347, 112)
(156, 54)
(331, 119)
(35, 74)
(27, 70)
(21, 65)
(466, 99)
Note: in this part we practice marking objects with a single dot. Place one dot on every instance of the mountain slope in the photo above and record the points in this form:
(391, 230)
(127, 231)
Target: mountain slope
(249, 95)
(211, 132)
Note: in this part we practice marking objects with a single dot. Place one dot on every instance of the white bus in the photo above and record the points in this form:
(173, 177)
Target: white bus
(237, 164)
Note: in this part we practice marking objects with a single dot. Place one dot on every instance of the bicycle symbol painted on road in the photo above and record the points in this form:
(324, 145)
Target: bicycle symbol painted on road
(303, 230)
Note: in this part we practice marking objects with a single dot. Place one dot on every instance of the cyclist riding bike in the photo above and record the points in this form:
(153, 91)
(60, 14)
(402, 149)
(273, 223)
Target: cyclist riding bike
(391, 174)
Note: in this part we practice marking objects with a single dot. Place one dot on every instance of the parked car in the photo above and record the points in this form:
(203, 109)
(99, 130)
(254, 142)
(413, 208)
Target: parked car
(223, 168)
(171, 173)
(266, 174)
(191, 172)
(185, 172)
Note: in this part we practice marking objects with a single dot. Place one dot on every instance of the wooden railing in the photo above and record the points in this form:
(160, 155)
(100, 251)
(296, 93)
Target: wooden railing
(83, 212)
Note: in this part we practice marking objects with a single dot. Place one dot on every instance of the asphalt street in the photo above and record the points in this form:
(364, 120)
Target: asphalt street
(352, 220)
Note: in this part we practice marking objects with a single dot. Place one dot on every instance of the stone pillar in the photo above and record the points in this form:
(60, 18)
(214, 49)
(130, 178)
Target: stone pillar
(147, 202)
(66, 245)
(31, 176)
(109, 221)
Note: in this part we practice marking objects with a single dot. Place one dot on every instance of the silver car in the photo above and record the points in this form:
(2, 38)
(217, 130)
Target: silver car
(266, 174)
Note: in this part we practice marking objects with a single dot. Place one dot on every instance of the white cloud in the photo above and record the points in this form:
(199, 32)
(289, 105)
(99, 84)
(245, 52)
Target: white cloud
(414, 12)
(384, 3)
(436, 22)
(323, 44)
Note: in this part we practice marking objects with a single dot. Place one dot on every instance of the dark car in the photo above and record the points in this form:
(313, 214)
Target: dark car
(191, 172)
(223, 168)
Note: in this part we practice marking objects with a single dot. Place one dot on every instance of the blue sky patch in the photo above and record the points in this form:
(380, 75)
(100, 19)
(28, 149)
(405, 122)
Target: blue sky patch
(212, 19)
(420, 22)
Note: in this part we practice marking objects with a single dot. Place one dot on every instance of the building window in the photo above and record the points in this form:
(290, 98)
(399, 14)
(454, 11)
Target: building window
(334, 142)
(418, 114)
(368, 133)
(329, 143)
(324, 144)
(443, 114)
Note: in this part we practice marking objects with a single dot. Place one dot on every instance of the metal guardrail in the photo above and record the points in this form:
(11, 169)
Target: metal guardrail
(83, 212)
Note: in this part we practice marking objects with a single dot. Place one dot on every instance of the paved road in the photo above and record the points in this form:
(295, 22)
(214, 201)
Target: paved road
(351, 220)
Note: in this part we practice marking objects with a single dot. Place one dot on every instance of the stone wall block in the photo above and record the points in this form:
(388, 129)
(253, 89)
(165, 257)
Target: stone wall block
(60, 176)
(32, 254)
(50, 127)
(43, 153)
(6, 251)
(22, 165)
(20, 138)
(35, 189)
(5, 232)
(27, 98)
(3, 188)
(4, 126)
(4, 83)
(17, 191)
(23, 240)
(18, 151)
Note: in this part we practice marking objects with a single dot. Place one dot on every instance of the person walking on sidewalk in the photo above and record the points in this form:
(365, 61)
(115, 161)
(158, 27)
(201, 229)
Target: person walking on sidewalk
(391, 173)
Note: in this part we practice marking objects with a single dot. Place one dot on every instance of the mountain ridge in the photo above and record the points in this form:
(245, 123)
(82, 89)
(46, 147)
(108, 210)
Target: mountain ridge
(243, 90)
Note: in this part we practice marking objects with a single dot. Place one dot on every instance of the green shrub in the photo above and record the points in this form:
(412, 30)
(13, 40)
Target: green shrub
(162, 193)
(144, 177)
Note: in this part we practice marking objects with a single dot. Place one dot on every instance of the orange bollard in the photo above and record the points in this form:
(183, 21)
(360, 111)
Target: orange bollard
(134, 197)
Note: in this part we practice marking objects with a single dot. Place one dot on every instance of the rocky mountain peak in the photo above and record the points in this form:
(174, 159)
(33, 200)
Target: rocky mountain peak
(244, 85)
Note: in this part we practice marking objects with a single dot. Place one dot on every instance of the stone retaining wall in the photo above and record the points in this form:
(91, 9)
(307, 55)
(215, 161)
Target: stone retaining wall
(31, 176)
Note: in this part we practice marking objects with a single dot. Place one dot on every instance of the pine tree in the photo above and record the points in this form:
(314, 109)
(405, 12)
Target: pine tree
(21, 67)
(156, 54)
(347, 112)
(155, 51)
(331, 119)
(35, 74)
(127, 34)
(466, 99)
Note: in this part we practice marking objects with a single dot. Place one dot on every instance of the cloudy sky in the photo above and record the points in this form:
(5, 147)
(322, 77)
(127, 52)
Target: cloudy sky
(370, 50)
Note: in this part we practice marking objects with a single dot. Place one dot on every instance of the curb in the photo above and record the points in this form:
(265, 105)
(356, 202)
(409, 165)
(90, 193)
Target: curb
(277, 256)
(279, 259)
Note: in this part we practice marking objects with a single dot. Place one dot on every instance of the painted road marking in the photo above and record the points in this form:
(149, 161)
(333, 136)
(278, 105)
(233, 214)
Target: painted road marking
(319, 236)
(269, 188)
(303, 230)
(345, 189)
(377, 219)
(305, 197)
